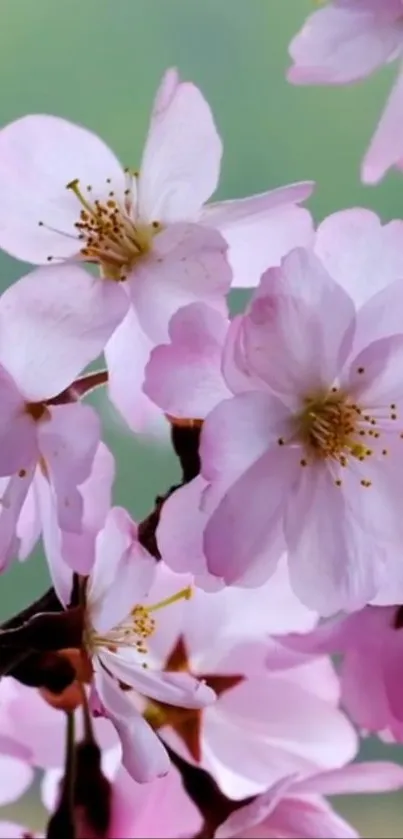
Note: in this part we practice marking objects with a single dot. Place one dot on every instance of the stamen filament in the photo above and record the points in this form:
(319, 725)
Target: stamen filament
(184, 594)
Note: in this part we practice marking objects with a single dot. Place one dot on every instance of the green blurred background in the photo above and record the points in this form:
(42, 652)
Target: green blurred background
(99, 62)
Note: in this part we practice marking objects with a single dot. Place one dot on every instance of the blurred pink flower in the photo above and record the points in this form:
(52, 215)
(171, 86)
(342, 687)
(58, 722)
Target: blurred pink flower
(295, 809)
(370, 643)
(344, 42)
(159, 808)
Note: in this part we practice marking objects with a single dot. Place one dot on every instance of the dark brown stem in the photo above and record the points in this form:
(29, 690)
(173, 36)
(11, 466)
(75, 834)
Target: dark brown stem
(81, 387)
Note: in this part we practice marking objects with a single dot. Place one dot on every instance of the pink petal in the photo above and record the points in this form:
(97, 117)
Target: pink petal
(78, 549)
(179, 689)
(254, 813)
(187, 264)
(61, 572)
(18, 446)
(143, 754)
(380, 385)
(197, 335)
(122, 573)
(14, 491)
(339, 45)
(181, 160)
(293, 340)
(333, 564)
(63, 317)
(238, 432)
(385, 149)
(262, 229)
(359, 252)
(68, 443)
(29, 524)
(180, 532)
(125, 378)
(39, 156)
(239, 533)
(16, 776)
(236, 371)
(309, 820)
(374, 776)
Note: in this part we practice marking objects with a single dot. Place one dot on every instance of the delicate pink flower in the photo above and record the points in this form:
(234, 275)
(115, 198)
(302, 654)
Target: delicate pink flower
(371, 645)
(264, 722)
(149, 228)
(314, 438)
(118, 622)
(346, 41)
(295, 809)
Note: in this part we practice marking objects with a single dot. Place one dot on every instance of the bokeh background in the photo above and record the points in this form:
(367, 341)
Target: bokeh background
(98, 62)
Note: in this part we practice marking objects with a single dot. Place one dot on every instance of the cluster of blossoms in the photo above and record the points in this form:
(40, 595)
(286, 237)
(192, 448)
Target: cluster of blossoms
(177, 678)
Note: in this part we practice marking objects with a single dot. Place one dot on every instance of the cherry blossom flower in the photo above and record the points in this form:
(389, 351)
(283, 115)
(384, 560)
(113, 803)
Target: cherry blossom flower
(344, 42)
(148, 228)
(262, 720)
(312, 434)
(293, 808)
(117, 623)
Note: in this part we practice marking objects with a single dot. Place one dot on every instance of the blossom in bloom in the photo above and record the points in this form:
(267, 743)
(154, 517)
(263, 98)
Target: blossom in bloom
(370, 644)
(265, 720)
(118, 621)
(312, 434)
(155, 245)
(297, 809)
(345, 41)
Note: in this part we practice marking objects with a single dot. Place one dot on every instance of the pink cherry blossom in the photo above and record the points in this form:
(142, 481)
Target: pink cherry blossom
(315, 441)
(371, 645)
(344, 42)
(262, 721)
(295, 809)
(148, 228)
(118, 622)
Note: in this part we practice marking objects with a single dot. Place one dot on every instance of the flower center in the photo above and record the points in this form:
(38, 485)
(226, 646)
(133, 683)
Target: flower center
(329, 426)
(111, 235)
(136, 628)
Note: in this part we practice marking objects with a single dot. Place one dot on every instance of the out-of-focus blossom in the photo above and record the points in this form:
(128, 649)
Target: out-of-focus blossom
(160, 808)
(265, 721)
(345, 41)
(295, 809)
(370, 643)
